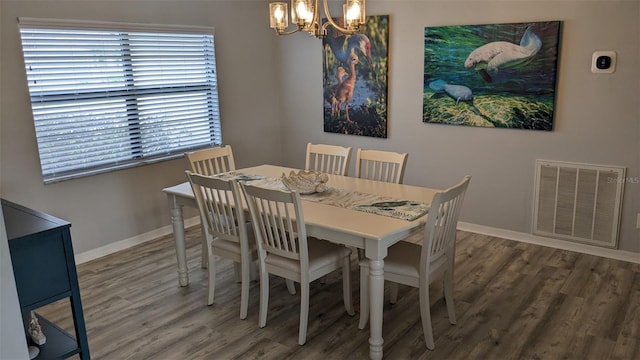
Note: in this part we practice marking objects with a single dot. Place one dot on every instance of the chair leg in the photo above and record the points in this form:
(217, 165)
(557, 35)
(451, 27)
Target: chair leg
(346, 286)
(304, 312)
(212, 273)
(264, 298)
(364, 297)
(204, 263)
(245, 273)
(425, 314)
(448, 297)
(290, 286)
(237, 271)
(254, 271)
(393, 291)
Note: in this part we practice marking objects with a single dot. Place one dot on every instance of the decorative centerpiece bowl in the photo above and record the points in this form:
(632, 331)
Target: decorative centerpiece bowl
(305, 181)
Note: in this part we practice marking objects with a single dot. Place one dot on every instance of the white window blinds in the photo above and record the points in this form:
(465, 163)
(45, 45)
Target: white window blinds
(107, 96)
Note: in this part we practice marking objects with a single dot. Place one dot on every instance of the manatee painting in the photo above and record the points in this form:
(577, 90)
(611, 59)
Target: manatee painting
(457, 92)
(494, 75)
(503, 54)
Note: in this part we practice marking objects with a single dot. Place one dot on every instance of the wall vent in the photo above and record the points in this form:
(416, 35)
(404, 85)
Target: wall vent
(578, 202)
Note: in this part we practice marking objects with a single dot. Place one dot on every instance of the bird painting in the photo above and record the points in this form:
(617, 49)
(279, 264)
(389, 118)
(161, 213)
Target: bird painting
(344, 92)
(355, 68)
(342, 46)
(330, 91)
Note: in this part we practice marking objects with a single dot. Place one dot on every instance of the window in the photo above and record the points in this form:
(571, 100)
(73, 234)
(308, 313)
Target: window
(108, 96)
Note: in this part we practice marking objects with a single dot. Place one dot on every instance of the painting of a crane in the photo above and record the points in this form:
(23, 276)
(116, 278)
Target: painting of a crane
(355, 79)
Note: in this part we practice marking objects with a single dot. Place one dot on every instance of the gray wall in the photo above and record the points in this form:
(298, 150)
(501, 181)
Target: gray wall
(271, 105)
(597, 116)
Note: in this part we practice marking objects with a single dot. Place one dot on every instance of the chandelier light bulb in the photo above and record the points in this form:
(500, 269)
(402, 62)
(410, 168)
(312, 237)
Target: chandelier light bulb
(279, 14)
(278, 18)
(353, 13)
(304, 13)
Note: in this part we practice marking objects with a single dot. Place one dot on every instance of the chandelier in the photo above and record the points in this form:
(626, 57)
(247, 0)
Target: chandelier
(306, 15)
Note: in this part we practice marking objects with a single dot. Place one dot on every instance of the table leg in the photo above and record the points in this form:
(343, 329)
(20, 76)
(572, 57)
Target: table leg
(376, 300)
(178, 232)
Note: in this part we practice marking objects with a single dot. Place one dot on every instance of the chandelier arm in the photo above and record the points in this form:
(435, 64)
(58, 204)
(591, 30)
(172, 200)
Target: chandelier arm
(289, 32)
(333, 23)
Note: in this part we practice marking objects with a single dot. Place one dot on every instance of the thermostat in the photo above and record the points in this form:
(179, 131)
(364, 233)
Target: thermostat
(603, 62)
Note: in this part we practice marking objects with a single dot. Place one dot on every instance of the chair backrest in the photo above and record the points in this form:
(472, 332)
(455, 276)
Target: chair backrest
(331, 159)
(278, 223)
(380, 165)
(438, 246)
(217, 199)
(211, 161)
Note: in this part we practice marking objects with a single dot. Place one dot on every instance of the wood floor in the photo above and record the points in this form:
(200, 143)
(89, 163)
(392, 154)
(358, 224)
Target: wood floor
(513, 301)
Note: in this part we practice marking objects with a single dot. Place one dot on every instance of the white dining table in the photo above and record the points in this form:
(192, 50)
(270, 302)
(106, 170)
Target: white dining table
(372, 232)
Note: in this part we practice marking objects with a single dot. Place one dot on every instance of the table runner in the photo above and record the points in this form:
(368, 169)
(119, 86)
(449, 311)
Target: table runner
(235, 175)
(371, 203)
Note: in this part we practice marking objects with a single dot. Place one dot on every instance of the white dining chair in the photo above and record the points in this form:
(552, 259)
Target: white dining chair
(227, 233)
(386, 166)
(330, 159)
(285, 250)
(381, 165)
(419, 265)
(211, 161)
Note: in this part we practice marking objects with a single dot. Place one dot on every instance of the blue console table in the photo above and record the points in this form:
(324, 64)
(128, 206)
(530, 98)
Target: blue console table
(45, 272)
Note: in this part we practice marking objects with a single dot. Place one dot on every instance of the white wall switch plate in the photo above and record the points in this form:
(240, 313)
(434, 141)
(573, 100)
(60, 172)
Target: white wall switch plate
(603, 62)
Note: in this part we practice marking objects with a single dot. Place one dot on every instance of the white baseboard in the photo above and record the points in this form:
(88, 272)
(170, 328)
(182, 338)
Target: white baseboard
(550, 242)
(480, 229)
(127, 243)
